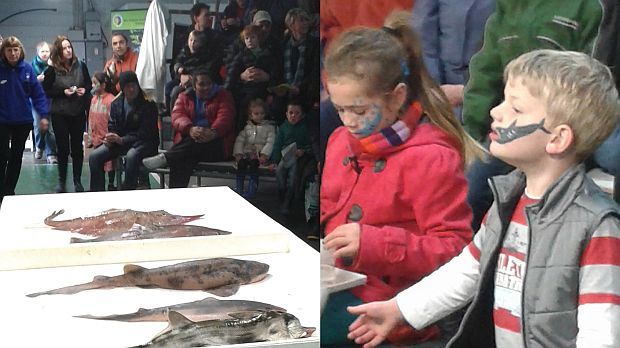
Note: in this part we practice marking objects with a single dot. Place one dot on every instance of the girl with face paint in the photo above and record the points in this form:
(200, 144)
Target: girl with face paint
(393, 194)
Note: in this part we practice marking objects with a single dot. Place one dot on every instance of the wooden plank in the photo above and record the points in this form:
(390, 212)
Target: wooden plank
(142, 250)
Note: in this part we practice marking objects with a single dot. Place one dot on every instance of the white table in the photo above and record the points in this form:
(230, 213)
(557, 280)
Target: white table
(48, 320)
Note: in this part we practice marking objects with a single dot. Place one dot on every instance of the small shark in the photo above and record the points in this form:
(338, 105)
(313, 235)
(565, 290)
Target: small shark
(245, 327)
(218, 276)
(153, 232)
(114, 220)
(208, 308)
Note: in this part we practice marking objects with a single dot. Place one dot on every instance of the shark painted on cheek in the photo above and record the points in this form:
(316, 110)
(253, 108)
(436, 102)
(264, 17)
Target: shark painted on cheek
(514, 132)
(370, 125)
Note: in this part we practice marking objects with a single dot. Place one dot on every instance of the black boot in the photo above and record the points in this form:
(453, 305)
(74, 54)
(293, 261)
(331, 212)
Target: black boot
(77, 176)
(240, 180)
(62, 178)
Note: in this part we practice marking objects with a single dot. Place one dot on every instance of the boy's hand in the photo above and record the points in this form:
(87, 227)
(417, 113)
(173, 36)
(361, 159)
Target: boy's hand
(344, 240)
(262, 159)
(375, 321)
(272, 167)
(299, 153)
(80, 91)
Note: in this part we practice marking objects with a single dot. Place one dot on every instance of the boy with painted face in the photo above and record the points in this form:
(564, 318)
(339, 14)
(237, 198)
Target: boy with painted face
(393, 189)
(543, 269)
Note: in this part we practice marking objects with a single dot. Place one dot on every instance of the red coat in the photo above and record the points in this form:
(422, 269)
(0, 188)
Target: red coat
(220, 112)
(414, 213)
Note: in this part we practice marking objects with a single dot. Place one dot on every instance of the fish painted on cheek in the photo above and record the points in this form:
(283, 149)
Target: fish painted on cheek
(514, 132)
(370, 125)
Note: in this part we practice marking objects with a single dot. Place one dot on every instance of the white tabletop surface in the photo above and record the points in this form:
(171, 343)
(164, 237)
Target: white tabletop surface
(47, 321)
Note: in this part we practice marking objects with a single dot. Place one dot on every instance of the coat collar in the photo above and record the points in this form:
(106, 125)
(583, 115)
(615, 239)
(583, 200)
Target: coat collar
(509, 188)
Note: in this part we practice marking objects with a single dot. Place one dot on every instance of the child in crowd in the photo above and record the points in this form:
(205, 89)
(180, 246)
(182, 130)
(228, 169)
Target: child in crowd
(250, 72)
(98, 117)
(43, 141)
(393, 189)
(291, 150)
(543, 268)
(253, 147)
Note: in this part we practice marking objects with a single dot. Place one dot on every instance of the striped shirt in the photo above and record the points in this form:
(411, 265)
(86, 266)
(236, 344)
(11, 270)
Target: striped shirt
(454, 284)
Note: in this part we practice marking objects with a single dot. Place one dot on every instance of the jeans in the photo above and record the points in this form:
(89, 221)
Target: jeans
(45, 141)
(133, 161)
(285, 176)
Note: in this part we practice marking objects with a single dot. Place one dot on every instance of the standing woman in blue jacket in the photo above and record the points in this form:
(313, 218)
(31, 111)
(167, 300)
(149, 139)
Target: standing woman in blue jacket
(67, 82)
(18, 85)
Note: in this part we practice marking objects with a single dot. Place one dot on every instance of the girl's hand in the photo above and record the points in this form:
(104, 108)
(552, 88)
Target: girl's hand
(262, 159)
(344, 240)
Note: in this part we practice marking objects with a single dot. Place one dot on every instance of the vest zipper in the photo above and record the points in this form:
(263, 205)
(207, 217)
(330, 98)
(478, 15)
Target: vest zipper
(527, 260)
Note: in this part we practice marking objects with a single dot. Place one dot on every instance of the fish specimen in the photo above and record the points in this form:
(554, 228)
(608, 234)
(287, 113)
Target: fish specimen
(153, 232)
(245, 327)
(114, 220)
(208, 308)
(218, 276)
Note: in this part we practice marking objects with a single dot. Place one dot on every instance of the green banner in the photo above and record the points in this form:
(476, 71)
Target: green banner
(128, 20)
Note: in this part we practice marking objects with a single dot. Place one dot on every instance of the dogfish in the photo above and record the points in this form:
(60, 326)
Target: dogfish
(208, 308)
(114, 220)
(153, 232)
(218, 276)
(245, 327)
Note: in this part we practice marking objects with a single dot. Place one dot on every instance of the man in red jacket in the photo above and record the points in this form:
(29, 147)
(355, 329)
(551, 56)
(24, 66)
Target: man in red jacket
(202, 118)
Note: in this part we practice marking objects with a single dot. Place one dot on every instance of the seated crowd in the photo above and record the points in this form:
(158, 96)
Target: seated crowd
(237, 92)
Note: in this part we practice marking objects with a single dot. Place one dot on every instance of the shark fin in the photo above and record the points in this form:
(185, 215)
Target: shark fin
(224, 291)
(133, 269)
(177, 319)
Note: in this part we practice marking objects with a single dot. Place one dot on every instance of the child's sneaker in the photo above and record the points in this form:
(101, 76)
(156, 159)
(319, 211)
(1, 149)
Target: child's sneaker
(38, 153)
(51, 159)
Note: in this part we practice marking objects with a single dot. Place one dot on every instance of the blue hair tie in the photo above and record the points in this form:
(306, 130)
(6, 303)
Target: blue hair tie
(404, 68)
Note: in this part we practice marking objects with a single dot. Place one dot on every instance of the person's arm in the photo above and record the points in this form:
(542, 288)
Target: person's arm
(441, 293)
(148, 130)
(425, 21)
(48, 84)
(437, 196)
(276, 154)
(484, 88)
(271, 139)
(225, 118)
(38, 97)
(115, 111)
(598, 313)
(239, 143)
(181, 115)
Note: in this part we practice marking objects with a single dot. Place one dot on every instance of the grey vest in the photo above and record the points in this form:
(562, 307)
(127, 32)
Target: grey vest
(560, 226)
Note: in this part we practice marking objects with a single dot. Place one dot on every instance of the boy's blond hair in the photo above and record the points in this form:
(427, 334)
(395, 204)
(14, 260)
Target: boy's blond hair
(576, 89)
